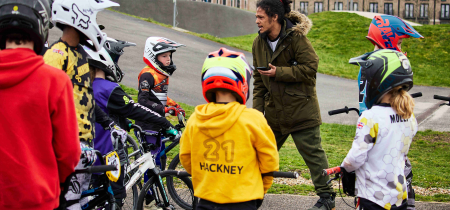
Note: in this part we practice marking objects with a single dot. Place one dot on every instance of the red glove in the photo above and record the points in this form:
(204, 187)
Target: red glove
(171, 110)
(181, 110)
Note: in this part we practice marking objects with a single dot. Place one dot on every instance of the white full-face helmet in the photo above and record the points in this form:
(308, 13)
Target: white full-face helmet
(102, 60)
(155, 46)
(82, 15)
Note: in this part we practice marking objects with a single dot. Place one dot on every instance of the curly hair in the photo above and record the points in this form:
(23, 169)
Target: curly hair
(275, 7)
(402, 102)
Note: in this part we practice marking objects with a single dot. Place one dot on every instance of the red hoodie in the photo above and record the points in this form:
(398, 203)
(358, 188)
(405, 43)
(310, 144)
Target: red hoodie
(38, 131)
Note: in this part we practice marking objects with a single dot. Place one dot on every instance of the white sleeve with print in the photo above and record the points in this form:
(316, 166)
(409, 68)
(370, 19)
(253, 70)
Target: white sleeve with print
(378, 154)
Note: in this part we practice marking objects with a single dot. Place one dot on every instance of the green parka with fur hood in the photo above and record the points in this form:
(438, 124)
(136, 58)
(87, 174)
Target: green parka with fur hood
(288, 100)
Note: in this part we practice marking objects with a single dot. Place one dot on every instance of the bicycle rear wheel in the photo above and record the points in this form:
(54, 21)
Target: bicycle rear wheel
(130, 201)
(181, 190)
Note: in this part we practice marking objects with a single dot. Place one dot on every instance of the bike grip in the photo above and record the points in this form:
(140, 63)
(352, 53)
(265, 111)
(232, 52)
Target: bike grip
(102, 168)
(416, 95)
(280, 174)
(441, 98)
(329, 171)
(338, 111)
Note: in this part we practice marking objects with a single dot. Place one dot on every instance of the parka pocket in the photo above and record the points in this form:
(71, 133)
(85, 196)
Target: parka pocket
(269, 108)
(297, 105)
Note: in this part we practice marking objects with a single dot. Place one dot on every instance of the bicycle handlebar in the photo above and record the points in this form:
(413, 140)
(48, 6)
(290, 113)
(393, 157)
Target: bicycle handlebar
(275, 174)
(338, 111)
(330, 171)
(443, 98)
(96, 169)
(281, 174)
(416, 95)
(346, 110)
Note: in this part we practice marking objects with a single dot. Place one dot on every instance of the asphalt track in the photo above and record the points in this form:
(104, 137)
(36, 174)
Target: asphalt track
(333, 92)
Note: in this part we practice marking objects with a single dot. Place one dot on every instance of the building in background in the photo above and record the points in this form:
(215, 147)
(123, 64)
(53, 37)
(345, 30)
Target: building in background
(420, 11)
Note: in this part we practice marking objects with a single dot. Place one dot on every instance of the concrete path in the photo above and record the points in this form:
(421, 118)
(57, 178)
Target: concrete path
(333, 92)
(272, 201)
(370, 15)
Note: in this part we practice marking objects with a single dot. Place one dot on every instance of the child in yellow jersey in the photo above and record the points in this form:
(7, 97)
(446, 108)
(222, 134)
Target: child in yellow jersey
(226, 146)
(77, 20)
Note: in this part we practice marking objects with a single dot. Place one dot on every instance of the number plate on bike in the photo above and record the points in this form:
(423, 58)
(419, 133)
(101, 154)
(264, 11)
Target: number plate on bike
(112, 158)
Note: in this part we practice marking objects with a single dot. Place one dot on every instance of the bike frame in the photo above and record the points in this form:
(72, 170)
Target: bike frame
(147, 163)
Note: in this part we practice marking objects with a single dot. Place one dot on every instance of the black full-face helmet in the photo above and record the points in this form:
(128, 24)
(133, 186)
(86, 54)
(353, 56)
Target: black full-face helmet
(115, 49)
(27, 16)
(383, 70)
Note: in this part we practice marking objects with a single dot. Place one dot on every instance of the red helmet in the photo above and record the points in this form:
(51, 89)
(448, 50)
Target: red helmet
(226, 69)
(386, 30)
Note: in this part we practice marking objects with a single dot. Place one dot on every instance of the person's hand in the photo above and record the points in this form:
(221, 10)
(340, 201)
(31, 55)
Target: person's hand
(181, 110)
(171, 110)
(88, 156)
(269, 73)
(171, 131)
(117, 134)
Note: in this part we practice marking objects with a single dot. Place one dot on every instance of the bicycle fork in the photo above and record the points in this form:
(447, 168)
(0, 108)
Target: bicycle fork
(162, 191)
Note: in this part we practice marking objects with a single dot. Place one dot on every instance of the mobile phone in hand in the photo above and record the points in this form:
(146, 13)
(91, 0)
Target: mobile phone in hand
(263, 68)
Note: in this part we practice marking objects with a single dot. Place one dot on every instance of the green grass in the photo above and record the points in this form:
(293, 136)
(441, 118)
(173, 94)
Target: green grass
(428, 154)
(337, 37)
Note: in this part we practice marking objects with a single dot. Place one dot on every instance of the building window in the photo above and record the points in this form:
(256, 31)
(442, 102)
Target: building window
(238, 3)
(231, 2)
(388, 9)
(424, 10)
(409, 10)
(338, 6)
(373, 7)
(318, 7)
(224, 2)
(303, 7)
(245, 4)
(355, 6)
(445, 10)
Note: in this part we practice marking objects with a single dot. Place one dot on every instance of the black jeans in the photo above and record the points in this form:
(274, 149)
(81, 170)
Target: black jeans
(206, 205)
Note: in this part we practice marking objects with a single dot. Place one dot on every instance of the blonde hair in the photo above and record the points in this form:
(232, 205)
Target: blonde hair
(401, 102)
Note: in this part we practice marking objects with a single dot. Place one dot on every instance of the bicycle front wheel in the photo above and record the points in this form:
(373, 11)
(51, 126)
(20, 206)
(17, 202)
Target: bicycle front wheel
(131, 200)
(151, 195)
(180, 189)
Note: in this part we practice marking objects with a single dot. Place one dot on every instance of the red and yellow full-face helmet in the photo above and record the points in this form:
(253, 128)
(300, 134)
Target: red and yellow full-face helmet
(226, 69)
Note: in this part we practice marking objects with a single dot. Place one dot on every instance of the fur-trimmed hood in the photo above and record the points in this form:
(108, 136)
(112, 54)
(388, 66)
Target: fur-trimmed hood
(301, 23)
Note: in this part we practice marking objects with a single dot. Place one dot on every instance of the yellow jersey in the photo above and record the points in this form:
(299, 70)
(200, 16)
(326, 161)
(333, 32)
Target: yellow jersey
(73, 60)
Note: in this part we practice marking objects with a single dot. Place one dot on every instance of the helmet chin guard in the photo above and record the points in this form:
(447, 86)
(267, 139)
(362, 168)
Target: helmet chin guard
(155, 46)
(115, 49)
(102, 60)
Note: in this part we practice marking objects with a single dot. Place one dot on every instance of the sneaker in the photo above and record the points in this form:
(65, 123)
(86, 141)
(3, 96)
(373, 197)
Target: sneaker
(325, 202)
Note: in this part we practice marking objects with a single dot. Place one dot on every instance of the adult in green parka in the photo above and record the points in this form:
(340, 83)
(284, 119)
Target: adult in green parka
(286, 93)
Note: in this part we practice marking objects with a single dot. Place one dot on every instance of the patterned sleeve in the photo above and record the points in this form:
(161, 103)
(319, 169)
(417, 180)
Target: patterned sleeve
(365, 138)
(56, 57)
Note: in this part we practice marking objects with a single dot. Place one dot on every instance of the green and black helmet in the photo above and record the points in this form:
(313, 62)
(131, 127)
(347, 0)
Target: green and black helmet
(383, 70)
